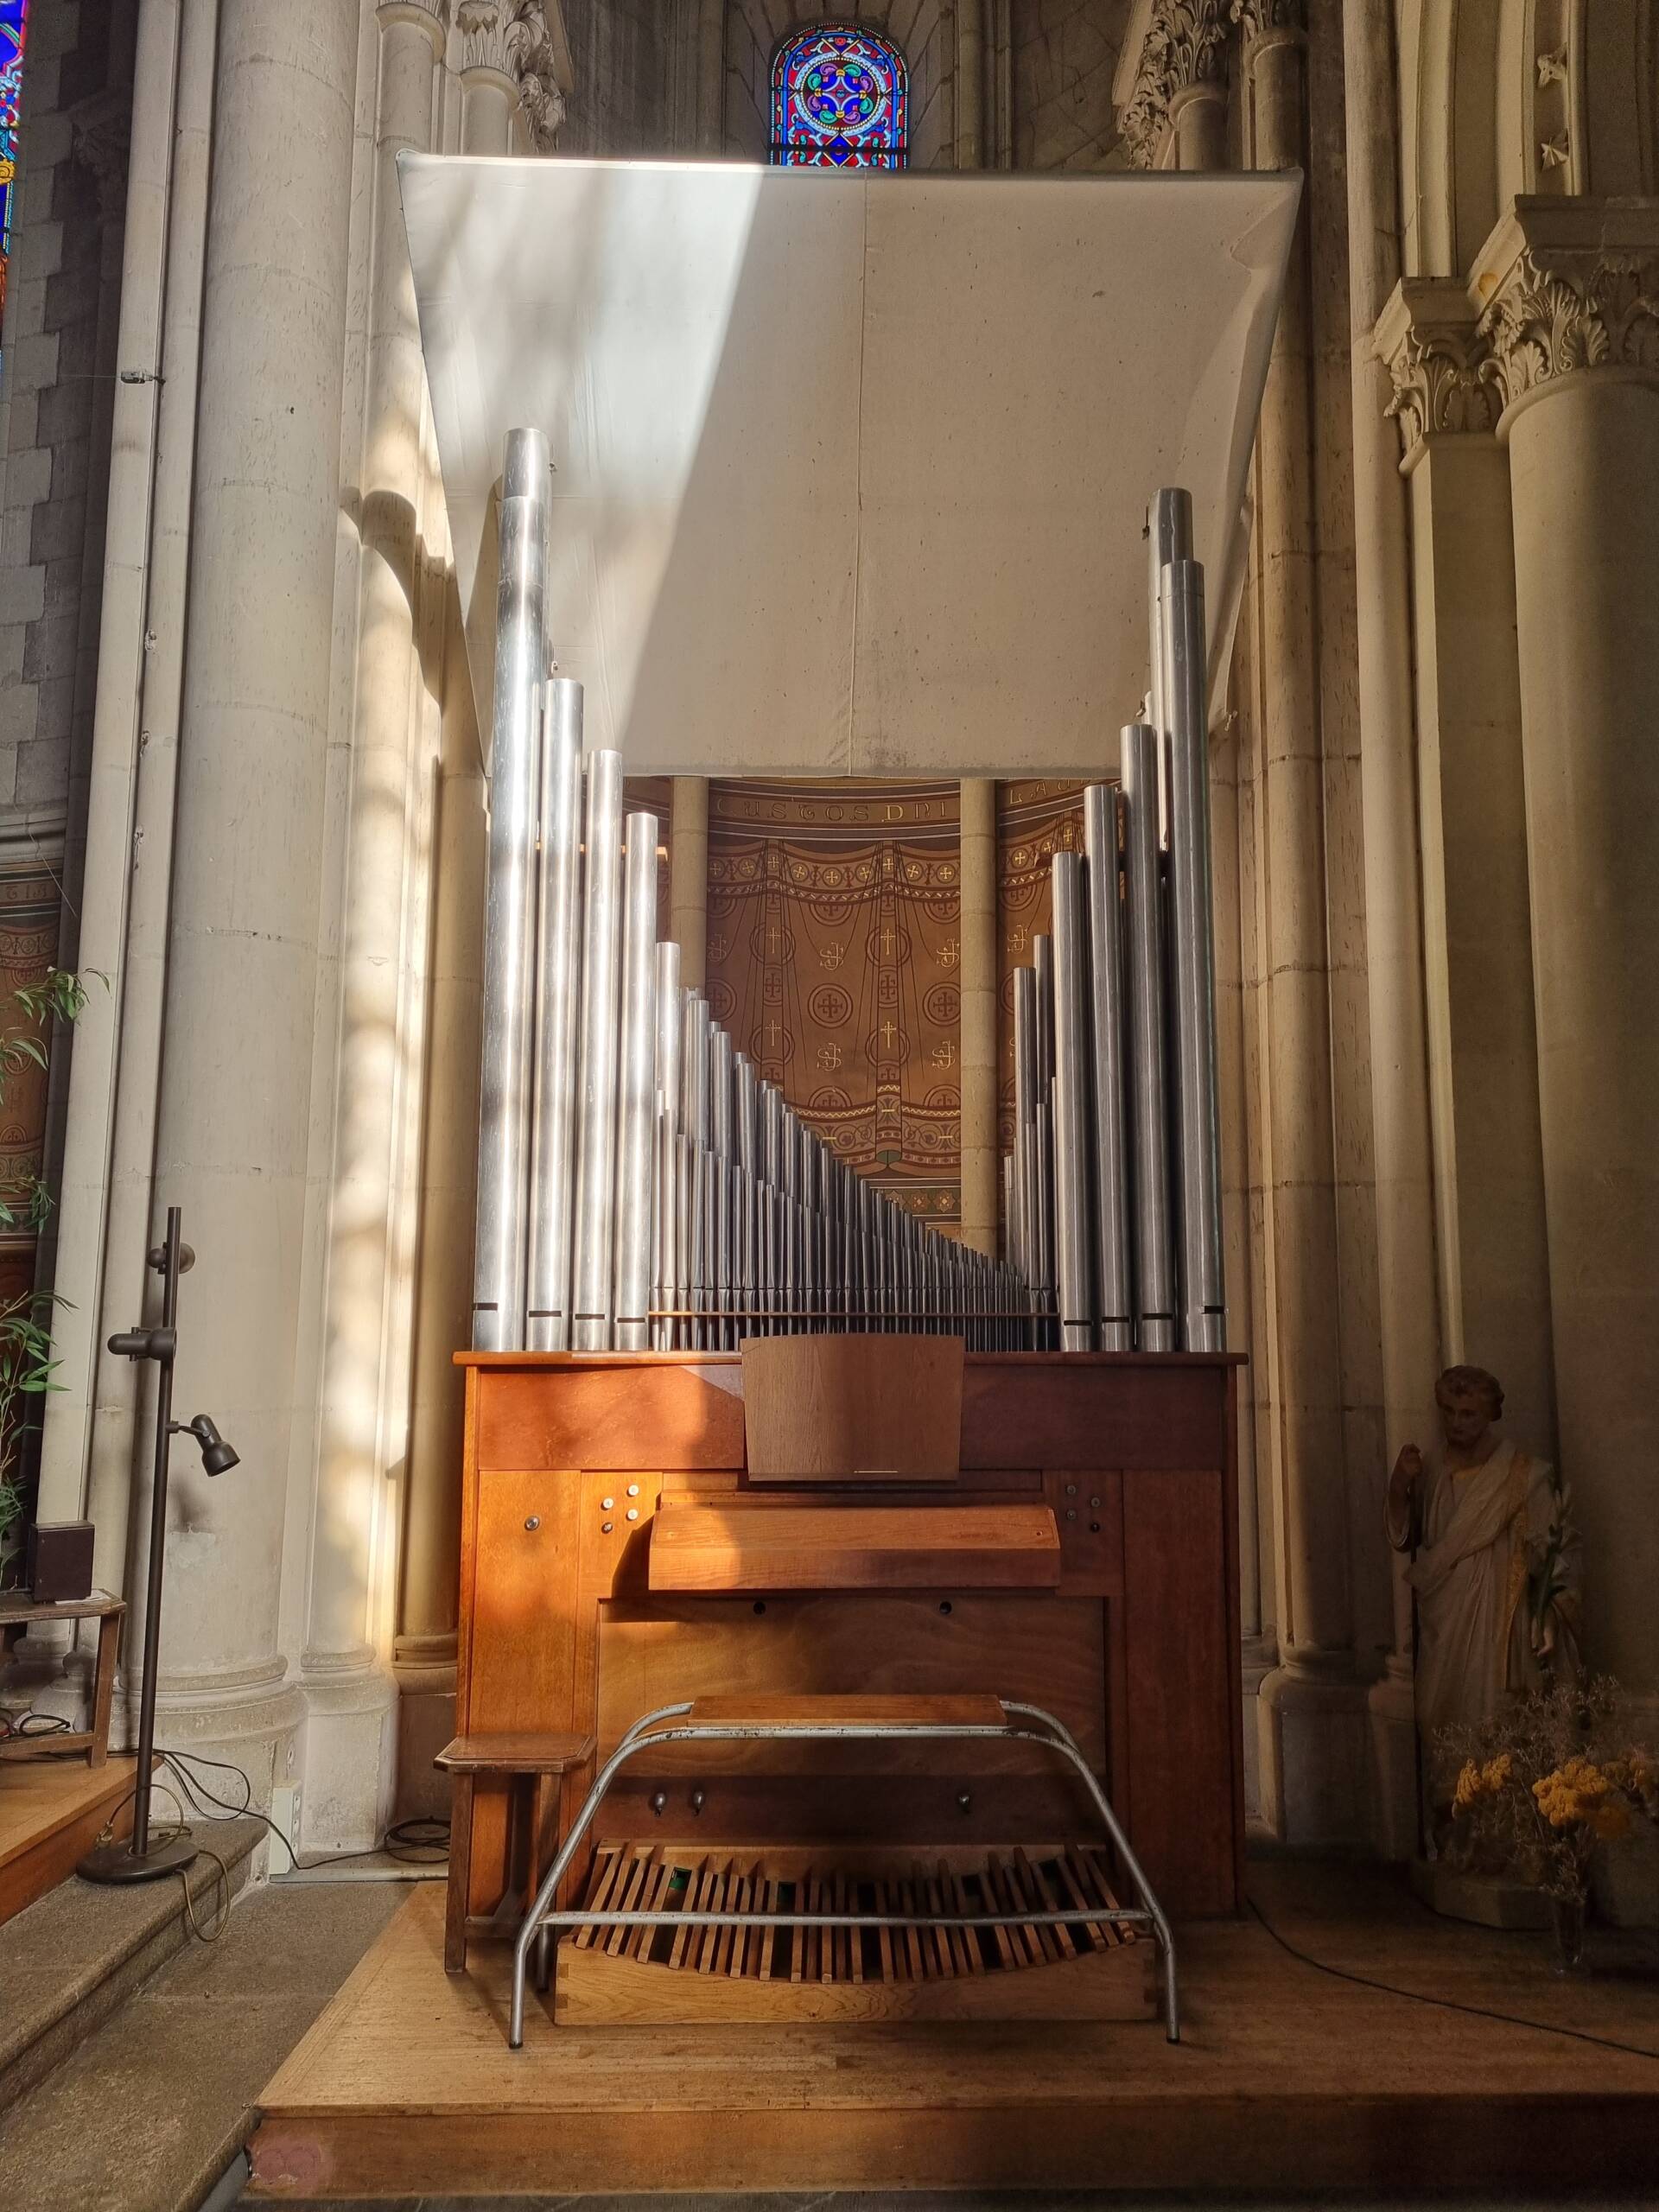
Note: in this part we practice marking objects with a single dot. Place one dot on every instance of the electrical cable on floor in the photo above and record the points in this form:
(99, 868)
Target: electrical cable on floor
(1448, 2004)
(418, 1842)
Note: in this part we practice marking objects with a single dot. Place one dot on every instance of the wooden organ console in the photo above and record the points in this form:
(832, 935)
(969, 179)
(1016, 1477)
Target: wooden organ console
(881, 1520)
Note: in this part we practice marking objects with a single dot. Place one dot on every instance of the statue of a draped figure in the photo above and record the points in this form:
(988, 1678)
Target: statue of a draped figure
(1494, 1563)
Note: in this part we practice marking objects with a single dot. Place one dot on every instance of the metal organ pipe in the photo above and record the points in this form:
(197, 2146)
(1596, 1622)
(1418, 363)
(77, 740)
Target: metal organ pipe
(637, 1089)
(1114, 1299)
(640, 1184)
(1191, 954)
(1073, 1222)
(558, 934)
(1155, 1286)
(500, 1251)
(596, 1118)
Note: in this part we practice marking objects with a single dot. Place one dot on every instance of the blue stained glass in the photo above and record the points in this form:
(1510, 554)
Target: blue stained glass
(840, 100)
(14, 21)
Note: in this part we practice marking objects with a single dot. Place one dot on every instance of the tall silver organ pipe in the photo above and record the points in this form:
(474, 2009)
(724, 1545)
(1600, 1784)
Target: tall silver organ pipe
(637, 1089)
(641, 1185)
(500, 1252)
(1169, 539)
(1154, 1284)
(1073, 1222)
(596, 1131)
(1191, 959)
(1114, 1296)
(557, 936)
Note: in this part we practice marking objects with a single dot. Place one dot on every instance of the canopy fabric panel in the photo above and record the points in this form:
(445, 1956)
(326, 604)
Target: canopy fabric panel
(849, 470)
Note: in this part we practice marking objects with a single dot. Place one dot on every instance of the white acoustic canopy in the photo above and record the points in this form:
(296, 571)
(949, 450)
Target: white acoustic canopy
(850, 471)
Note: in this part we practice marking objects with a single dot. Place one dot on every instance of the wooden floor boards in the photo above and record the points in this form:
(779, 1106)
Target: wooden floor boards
(1286, 2078)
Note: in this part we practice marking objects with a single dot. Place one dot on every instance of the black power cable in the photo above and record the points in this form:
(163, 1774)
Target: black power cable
(1448, 2004)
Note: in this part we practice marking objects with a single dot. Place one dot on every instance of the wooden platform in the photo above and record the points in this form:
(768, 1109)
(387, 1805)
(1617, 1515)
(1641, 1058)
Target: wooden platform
(51, 1812)
(1287, 2078)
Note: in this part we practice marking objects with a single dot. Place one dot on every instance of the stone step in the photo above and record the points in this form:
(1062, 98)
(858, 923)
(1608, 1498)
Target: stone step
(67, 1960)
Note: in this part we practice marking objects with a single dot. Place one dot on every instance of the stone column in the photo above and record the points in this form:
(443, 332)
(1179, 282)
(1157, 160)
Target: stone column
(232, 1141)
(424, 1656)
(93, 1056)
(1198, 121)
(688, 878)
(349, 1691)
(1315, 1783)
(1571, 318)
(1407, 1313)
(1494, 1266)
(980, 1148)
(711, 76)
(489, 86)
(971, 83)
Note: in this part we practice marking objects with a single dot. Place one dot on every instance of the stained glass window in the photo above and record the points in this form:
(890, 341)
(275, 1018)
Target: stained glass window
(839, 100)
(14, 15)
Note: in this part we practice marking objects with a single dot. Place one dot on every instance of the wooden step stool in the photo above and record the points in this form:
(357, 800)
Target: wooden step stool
(539, 1759)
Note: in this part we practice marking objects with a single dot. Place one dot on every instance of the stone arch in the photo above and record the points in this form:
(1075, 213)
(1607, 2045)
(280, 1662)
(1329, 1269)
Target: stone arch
(1503, 98)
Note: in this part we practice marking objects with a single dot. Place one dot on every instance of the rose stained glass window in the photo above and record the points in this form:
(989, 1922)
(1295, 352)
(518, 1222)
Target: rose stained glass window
(839, 100)
(14, 15)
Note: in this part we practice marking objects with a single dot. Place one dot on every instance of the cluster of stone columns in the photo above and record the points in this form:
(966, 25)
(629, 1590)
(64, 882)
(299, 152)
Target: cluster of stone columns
(285, 776)
(1504, 648)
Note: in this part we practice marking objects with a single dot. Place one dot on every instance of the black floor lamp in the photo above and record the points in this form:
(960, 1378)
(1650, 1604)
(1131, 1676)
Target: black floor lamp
(142, 1859)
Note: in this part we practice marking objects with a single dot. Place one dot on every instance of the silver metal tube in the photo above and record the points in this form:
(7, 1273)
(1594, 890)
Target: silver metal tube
(1114, 1296)
(1045, 1178)
(665, 1215)
(590, 1329)
(687, 1252)
(1155, 1281)
(1169, 537)
(1192, 960)
(500, 1252)
(557, 951)
(1042, 964)
(723, 1085)
(708, 1297)
(670, 1031)
(748, 1115)
(637, 1089)
(1073, 1212)
(694, 1070)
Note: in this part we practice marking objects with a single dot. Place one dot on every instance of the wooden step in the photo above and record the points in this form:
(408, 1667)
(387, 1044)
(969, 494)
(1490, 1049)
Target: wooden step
(1096, 1970)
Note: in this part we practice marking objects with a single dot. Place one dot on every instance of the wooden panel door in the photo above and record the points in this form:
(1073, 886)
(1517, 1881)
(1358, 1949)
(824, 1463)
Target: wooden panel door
(1182, 1717)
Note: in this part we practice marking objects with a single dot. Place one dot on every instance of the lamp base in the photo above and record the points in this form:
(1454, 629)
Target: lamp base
(118, 1863)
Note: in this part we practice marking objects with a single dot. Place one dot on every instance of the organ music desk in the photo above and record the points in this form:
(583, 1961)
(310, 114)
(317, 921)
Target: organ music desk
(631, 1540)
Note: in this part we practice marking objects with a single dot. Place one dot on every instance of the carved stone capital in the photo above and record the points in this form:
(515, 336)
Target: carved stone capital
(1427, 339)
(1258, 18)
(1568, 287)
(1186, 43)
(512, 40)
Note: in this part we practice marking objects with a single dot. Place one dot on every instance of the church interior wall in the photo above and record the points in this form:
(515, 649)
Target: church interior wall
(1329, 1209)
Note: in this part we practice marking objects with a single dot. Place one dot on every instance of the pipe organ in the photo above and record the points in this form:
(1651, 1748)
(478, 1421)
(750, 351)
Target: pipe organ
(831, 1603)
(641, 1186)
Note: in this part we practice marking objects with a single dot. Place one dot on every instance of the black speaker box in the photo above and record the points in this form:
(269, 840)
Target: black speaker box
(60, 1562)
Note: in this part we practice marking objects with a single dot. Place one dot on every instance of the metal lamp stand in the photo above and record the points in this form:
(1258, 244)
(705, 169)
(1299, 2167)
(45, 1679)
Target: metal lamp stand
(143, 1859)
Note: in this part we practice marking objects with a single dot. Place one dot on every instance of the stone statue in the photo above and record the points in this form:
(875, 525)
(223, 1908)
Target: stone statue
(1494, 1560)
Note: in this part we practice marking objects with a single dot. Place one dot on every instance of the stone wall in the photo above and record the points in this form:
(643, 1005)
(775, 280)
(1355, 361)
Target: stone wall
(1065, 53)
(56, 388)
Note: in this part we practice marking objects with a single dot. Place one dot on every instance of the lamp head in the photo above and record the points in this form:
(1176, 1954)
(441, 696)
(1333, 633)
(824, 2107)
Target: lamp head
(217, 1456)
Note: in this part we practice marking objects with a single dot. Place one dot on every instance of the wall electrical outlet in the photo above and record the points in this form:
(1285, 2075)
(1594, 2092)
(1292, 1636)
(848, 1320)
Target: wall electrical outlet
(285, 1811)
